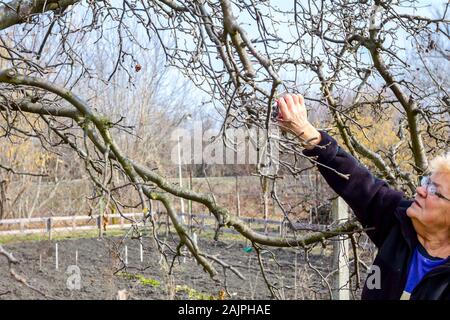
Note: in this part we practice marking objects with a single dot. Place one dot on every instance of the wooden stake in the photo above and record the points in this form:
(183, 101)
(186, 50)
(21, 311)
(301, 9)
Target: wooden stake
(238, 200)
(56, 257)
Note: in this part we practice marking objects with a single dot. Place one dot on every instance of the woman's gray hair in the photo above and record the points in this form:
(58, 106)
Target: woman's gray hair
(440, 163)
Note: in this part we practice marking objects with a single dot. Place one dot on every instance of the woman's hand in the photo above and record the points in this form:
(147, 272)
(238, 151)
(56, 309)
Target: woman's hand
(294, 119)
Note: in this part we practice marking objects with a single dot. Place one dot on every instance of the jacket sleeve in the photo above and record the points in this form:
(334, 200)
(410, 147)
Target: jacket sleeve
(371, 199)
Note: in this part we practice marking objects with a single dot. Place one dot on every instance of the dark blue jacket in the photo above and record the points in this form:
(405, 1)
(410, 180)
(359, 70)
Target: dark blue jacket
(383, 209)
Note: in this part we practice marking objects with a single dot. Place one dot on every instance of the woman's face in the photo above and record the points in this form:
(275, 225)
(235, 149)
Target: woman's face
(429, 209)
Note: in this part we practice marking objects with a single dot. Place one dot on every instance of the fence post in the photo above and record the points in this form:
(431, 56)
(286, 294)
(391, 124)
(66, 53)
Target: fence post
(282, 227)
(265, 196)
(99, 225)
(341, 289)
(49, 228)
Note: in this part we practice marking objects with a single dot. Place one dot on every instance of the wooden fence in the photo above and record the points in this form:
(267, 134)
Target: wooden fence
(50, 225)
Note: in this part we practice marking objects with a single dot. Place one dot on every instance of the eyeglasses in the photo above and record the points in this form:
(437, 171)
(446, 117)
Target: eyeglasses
(431, 187)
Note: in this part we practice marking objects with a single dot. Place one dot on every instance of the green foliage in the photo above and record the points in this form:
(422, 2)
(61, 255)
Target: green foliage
(194, 294)
(190, 292)
(139, 277)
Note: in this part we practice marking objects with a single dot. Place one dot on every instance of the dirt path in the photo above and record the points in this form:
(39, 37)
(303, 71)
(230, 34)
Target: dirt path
(98, 262)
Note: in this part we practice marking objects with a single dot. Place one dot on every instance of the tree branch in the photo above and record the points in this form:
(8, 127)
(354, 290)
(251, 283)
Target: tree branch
(137, 171)
(20, 11)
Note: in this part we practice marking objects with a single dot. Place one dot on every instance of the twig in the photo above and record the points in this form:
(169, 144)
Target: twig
(24, 281)
(4, 293)
(9, 256)
(9, 169)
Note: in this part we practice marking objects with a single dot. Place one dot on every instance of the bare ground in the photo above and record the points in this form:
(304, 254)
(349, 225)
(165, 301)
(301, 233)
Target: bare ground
(102, 276)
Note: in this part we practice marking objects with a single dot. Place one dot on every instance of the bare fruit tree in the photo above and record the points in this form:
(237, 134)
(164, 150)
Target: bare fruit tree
(358, 63)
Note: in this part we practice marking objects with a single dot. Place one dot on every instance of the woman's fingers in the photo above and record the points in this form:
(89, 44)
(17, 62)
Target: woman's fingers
(290, 102)
(293, 116)
(296, 99)
(284, 111)
(291, 107)
(301, 99)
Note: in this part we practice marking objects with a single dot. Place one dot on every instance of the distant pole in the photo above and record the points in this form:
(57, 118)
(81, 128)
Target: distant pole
(274, 208)
(195, 239)
(126, 256)
(281, 226)
(341, 288)
(180, 179)
(76, 257)
(152, 210)
(190, 201)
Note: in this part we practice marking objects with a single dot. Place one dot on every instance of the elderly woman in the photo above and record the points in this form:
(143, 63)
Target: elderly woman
(412, 237)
